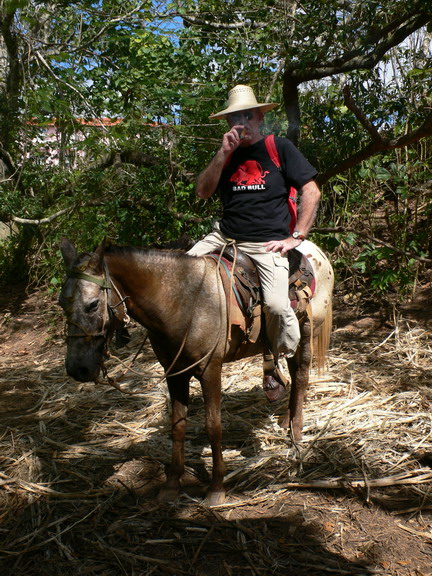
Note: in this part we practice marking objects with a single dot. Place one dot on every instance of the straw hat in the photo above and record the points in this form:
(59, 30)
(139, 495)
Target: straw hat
(242, 98)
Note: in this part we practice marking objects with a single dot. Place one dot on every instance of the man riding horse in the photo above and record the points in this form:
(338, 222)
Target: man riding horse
(256, 215)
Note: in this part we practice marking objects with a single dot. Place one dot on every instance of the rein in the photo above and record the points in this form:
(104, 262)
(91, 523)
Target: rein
(210, 353)
(167, 372)
(107, 285)
(232, 243)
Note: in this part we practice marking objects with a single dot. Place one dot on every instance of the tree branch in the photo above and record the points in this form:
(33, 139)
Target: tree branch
(363, 234)
(360, 115)
(217, 25)
(390, 37)
(40, 221)
(6, 158)
(360, 58)
(143, 203)
(62, 46)
(378, 144)
(134, 157)
(45, 64)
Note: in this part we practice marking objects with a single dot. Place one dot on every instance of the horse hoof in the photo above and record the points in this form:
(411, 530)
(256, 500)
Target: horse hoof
(297, 435)
(168, 495)
(273, 387)
(296, 431)
(215, 498)
(285, 423)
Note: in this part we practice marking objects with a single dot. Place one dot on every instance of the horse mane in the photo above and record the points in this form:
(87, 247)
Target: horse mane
(125, 251)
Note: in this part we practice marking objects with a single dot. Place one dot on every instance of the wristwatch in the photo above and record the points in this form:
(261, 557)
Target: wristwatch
(298, 235)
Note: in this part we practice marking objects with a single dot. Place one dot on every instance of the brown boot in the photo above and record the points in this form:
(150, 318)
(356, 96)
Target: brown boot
(273, 386)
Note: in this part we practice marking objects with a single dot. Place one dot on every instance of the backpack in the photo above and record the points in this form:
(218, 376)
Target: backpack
(270, 144)
(292, 194)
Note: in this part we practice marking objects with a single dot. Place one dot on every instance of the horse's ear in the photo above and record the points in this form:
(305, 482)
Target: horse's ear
(68, 251)
(101, 248)
(98, 256)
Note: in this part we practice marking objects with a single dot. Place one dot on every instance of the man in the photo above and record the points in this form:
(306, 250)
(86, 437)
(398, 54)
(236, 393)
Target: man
(256, 215)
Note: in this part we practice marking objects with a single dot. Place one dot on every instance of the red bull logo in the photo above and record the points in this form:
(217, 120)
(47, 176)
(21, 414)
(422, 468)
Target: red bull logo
(249, 175)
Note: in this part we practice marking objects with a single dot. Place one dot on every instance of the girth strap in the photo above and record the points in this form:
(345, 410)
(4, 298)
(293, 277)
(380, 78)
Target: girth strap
(247, 288)
(242, 280)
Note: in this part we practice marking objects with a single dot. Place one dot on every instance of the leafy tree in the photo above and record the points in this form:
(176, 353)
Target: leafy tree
(352, 78)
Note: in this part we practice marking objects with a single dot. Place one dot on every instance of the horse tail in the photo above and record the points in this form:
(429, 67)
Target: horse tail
(321, 339)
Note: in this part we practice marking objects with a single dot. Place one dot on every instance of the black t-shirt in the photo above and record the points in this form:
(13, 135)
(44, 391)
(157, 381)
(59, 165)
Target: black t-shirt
(254, 191)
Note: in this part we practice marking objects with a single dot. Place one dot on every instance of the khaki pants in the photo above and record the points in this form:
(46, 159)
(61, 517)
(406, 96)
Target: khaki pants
(282, 325)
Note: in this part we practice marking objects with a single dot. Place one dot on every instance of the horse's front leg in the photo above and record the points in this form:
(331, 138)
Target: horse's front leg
(178, 387)
(299, 367)
(211, 387)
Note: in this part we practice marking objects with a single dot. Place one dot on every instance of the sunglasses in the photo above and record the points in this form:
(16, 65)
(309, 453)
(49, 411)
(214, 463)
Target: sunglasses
(237, 117)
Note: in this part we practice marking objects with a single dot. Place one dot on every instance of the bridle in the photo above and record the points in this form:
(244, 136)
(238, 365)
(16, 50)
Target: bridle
(109, 309)
(108, 327)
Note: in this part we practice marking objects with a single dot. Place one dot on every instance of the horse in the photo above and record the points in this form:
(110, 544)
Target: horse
(181, 302)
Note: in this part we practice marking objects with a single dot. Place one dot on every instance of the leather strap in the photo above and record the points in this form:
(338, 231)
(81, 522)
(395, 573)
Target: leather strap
(93, 279)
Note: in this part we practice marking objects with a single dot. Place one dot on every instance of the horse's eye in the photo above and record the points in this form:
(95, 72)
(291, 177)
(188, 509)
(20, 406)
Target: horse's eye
(92, 306)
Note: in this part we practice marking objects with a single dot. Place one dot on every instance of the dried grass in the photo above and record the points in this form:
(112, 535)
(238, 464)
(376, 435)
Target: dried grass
(81, 464)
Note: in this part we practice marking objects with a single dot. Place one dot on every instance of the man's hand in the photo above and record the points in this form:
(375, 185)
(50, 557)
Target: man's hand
(282, 246)
(232, 139)
(208, 180)
(309, 196)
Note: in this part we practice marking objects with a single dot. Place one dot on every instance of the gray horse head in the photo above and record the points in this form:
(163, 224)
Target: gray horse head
(85, 300)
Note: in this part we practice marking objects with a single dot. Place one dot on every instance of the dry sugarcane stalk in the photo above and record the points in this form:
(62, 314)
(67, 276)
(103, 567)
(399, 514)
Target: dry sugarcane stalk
(400, 479)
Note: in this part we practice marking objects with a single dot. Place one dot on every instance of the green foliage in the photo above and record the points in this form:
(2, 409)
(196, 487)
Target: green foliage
(161, 68)
(383, 214)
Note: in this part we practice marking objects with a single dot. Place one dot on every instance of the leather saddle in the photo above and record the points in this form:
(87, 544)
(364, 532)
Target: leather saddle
(239, 272)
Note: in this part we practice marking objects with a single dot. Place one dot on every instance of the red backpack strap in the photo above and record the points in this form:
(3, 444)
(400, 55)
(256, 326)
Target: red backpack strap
(292, 207)
(272, 150)
(292, 196)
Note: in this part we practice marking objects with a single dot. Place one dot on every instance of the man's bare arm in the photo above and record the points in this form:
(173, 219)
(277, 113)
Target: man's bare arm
(208, 180)
(309, 199)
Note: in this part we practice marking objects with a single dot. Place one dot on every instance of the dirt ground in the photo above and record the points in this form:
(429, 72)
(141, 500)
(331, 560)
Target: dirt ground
(81, 465)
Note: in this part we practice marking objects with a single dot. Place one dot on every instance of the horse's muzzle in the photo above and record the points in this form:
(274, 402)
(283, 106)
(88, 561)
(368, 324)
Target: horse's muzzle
(83, 361)
(82, 373)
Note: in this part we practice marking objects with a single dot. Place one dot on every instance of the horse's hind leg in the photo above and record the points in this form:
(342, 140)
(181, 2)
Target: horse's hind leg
(178, 387)
(299, 367)
(211, 387)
